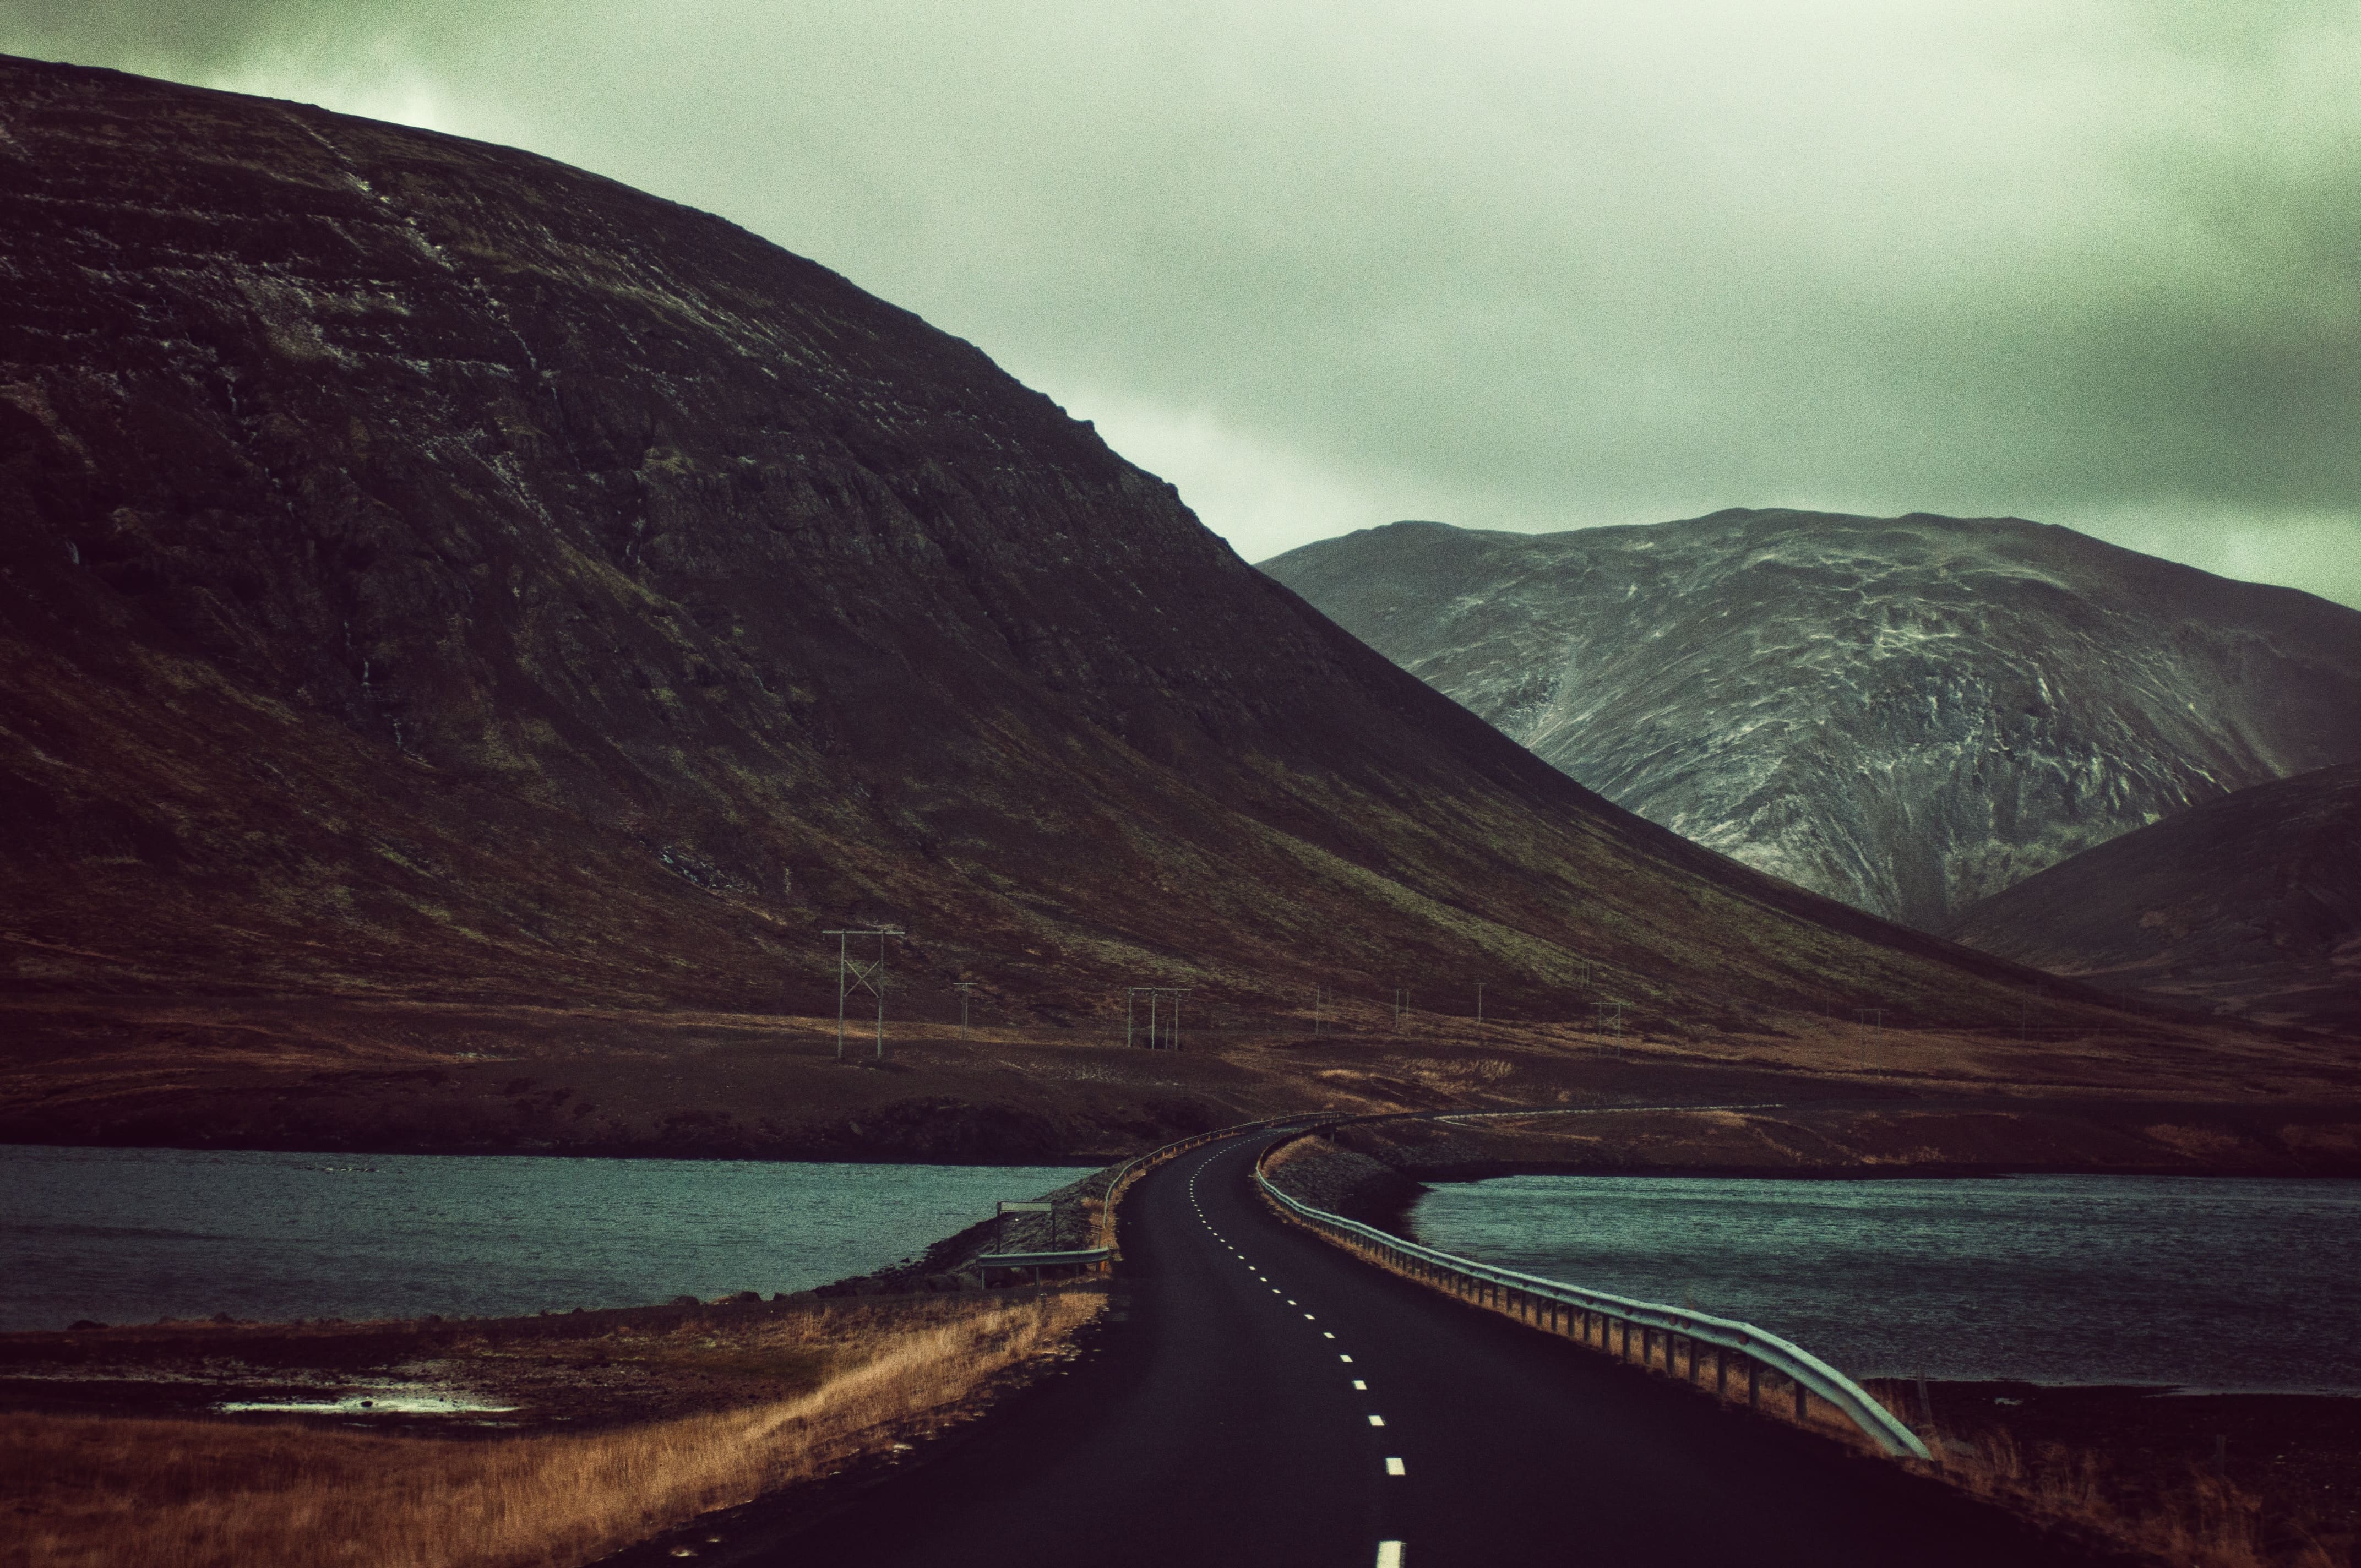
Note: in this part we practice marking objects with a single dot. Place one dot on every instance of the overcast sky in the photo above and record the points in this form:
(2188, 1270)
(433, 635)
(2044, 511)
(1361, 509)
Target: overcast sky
(1523, 266)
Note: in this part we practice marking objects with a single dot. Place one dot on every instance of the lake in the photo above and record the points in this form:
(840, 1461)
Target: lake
(2211, 1283)
(130, 1236)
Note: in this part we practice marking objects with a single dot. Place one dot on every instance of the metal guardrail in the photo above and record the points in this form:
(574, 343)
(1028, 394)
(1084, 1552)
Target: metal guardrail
(1601, 1313)
(1072, 1258)
(1140, 1165)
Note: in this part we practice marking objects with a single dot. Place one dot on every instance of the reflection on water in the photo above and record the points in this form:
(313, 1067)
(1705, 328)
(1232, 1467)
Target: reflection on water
(380, 1400)
(2218, 1283)
(127, 1236)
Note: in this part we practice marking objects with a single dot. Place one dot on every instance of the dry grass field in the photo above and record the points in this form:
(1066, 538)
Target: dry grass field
(2209, 1480)
(101, 1491)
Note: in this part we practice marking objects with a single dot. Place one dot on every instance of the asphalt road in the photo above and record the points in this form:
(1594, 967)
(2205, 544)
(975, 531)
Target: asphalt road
(1266, 1399)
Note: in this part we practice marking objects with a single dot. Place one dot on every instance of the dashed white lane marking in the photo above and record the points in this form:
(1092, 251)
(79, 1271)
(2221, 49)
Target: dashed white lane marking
(1325, 1334)
(1394, 1467)
(1290, 1301)
(1346, 1359)
(1358, 1383)
(1389, 1554)
(1376, 1420)
(1307, 1317)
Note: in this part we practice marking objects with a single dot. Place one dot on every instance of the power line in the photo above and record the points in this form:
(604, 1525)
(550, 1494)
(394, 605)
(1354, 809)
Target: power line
(852, 973)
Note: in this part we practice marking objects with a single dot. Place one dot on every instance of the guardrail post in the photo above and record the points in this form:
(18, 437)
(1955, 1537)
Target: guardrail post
(1753, 1384)
(1721, 1371)
(1802, 1401)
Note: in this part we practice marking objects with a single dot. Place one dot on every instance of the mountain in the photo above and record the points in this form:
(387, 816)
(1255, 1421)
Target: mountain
(1908, 714)
(457, 610)
(2248, 904)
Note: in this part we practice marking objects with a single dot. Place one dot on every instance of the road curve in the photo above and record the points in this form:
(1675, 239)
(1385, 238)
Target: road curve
(1265, 1399)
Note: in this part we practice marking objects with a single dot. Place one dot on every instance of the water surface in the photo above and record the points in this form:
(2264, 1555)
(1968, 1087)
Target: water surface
(2208, 1282)
(130, 1236)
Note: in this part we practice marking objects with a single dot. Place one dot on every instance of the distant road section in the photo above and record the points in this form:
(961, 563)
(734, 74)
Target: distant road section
(1266, 1399)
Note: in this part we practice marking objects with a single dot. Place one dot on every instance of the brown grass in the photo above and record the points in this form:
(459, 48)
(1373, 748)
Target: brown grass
(82, 1491)
(2201, 1520)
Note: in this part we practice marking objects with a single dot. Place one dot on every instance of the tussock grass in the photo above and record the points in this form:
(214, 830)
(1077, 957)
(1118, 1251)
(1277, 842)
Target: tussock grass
(82, 1491)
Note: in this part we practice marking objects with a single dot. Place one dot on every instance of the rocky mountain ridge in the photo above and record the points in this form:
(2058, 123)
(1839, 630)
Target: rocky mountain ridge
(1908, 714)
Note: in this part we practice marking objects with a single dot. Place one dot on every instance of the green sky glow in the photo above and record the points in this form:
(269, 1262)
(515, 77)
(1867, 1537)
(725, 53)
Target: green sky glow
(1522, 266)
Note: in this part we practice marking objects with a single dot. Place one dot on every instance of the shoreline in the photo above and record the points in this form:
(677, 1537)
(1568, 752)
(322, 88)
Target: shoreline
(686, 1154)
(2338, 1169)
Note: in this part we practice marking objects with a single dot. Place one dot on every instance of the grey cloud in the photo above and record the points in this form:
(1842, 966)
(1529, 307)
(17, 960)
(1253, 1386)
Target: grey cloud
(1518, 265)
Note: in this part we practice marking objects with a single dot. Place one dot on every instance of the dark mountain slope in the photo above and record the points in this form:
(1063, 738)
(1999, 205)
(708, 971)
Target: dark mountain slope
(2248, 904)
(435, 575)
(1906, 713)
